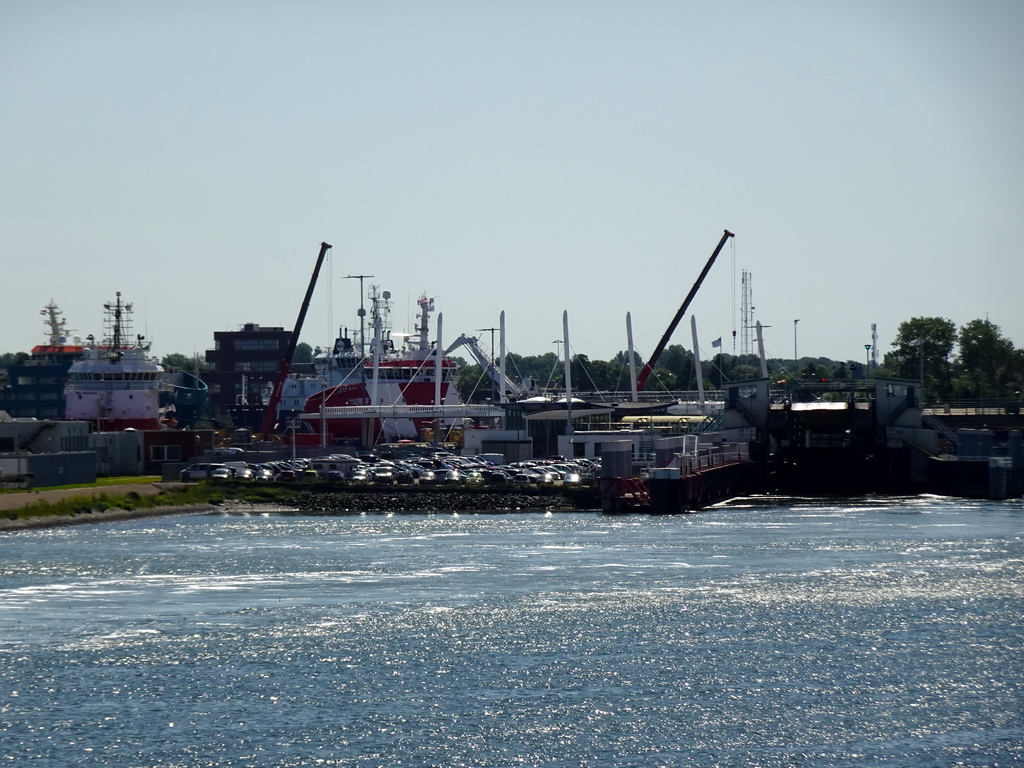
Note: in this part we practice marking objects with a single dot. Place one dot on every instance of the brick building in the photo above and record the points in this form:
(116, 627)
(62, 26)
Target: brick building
(244, 366)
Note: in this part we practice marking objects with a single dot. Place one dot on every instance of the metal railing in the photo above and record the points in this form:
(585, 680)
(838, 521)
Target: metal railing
(983, 406)
(939, 426)
(708, 458)
(405, 412)
(712, 423)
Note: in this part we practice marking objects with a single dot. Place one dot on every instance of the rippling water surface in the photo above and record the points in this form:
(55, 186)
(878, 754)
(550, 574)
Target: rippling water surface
(867, 632)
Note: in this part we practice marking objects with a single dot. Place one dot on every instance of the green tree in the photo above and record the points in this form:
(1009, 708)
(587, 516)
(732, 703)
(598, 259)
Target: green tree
(303, 353)
(622, 358)
(545, 370)
(598, 375)
(988, 361)
(924, 344)
(7, 359)
(181, 362)
(679, 362)
(473, 386)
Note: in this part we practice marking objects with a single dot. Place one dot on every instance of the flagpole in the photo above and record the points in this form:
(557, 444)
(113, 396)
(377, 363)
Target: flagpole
(717, 344)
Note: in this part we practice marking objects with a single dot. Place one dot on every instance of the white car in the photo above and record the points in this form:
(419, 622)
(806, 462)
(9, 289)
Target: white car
(199, 471)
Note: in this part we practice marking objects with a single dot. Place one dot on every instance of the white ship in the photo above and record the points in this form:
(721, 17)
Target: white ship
(116, 385)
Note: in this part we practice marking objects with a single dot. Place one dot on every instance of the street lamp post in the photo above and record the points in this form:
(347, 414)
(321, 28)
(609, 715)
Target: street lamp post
(867, 360)
(795, 358)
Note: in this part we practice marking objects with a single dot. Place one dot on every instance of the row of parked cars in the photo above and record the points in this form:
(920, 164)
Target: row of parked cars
(239, 470)
(449, 469)
(373, 469)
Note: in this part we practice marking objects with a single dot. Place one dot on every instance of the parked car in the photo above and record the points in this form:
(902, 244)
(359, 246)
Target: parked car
(448, 476)
(195, 472)
(403, 475)
(240, 471)
(496, 477)
(222, 473)
(531, 477)
(227, 451)
(422, 475)
(286, 476)
(262, 472)
(360, 476)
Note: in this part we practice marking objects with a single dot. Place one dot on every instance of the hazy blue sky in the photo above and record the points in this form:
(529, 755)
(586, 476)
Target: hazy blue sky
(531, 157)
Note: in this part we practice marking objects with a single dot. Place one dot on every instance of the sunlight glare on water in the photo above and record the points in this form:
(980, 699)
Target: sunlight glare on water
(882, 632)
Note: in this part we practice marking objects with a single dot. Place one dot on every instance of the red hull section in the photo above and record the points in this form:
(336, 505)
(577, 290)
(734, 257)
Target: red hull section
(368, 430)
(341, 396)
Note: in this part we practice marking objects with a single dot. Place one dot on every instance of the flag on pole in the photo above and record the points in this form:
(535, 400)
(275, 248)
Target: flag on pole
(717, 342)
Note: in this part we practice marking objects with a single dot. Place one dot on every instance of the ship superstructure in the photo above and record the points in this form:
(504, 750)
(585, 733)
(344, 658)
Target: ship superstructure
(394, 391)
(116, 385)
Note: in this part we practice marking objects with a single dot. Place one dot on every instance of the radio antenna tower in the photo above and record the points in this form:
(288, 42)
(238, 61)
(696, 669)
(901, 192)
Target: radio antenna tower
(746, 315)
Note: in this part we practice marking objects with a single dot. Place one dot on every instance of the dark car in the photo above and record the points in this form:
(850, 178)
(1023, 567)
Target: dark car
(495, 477)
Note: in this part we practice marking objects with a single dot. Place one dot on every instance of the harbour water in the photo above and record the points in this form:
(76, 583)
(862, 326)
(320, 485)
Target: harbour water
(771, 633)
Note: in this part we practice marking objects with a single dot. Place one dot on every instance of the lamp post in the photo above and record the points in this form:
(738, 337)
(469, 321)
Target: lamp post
(867, 360)
(795, 358)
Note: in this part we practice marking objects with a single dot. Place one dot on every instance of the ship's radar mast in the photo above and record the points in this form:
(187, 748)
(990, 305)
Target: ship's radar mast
(423, 328)
(55, 327)
(117, 325)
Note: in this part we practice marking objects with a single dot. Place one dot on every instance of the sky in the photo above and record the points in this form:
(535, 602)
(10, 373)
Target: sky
(527, 157)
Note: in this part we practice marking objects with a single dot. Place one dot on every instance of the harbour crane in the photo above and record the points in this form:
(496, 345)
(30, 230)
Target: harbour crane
(641, 380)
(285, 366)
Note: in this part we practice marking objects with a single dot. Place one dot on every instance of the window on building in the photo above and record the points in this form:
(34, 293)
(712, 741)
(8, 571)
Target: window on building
(256, 344)
(165, 453)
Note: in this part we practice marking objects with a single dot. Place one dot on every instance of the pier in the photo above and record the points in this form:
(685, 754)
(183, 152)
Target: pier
(834, 438)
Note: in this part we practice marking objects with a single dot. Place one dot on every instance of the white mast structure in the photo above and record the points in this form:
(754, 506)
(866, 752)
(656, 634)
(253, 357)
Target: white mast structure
(632, 360)
(746, 314)
(568, 378)
(696, 363)
(502, 394)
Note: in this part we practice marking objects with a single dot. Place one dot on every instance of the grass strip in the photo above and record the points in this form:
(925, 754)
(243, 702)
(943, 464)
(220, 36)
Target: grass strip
(131, 501)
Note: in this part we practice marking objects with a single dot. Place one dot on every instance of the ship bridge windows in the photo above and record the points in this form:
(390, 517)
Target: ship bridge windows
(117, 376)
(396, 373)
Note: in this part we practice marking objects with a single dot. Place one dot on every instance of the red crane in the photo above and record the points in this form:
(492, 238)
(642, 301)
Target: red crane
(286, 362)
(641, 380)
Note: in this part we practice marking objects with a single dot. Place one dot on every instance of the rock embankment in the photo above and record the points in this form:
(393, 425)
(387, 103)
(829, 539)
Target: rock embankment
(408, 500)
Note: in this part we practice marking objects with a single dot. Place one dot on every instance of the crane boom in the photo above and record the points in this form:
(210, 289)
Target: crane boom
(641, 380)
(286, 362)
(488, 366)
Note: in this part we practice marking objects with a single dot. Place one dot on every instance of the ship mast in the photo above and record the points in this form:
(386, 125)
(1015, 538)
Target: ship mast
(426, 307)
(118, 326)
(55, 324)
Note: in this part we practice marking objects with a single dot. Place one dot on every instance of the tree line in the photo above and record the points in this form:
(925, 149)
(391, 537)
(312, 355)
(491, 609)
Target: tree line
(973, 361)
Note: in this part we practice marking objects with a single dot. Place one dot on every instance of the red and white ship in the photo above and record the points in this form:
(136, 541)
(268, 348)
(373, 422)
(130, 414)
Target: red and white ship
(116, 385)
(387, 390)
